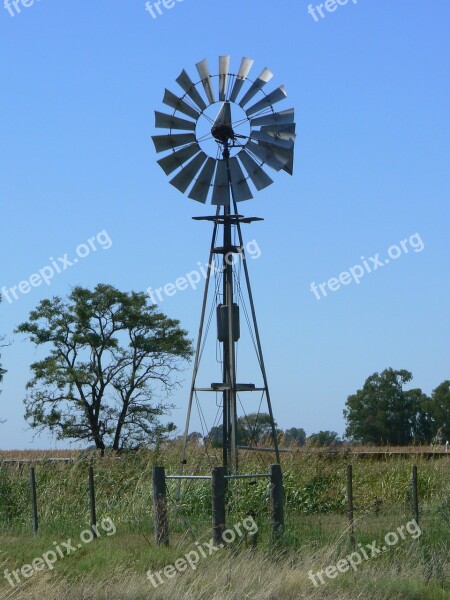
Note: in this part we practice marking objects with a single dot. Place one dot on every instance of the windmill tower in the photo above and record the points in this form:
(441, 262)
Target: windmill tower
(230, 132)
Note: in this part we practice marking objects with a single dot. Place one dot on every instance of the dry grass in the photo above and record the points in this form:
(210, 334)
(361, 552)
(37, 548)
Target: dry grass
(37, 454)
(249, 575)
(414, 450)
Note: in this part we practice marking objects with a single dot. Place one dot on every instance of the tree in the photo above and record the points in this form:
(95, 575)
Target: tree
(195, 437)
(108, 350)
(324, 438)
(215, 437)
(251, 429)
(295, 435)
(421, 421)
(382, 412)
(439, 411)
(254, 428)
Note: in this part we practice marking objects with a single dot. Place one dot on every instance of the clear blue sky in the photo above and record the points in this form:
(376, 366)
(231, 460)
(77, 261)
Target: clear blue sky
(370, 85)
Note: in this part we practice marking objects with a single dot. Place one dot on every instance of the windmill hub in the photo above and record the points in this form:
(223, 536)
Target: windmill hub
(223, 133)
(222, 130)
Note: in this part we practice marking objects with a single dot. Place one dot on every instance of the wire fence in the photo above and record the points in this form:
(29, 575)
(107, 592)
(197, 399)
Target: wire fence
(320, 503)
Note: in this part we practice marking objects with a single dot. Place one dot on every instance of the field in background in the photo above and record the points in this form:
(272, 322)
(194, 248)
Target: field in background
(341, 450)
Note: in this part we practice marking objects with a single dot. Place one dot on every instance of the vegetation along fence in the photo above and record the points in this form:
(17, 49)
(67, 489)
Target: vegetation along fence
(321, 497)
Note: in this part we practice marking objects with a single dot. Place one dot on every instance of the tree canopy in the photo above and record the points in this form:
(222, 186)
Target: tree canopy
(439, 411)
(111, 356)
(383, 412)
(324, 438)
(295, 435)
(255, 429)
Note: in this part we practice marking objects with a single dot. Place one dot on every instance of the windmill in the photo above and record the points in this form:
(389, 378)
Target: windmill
(222, 134)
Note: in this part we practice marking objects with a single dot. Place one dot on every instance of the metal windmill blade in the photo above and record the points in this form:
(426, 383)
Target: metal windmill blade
(244, 70)
(184, 81)
(256, 86)
(281, 134)
(285, 117)
(220, 164)
(224, 65)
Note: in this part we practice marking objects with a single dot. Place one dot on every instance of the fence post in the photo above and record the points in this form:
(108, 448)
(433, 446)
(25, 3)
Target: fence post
(415, 495)
(34, 500)
(92, 502)
(277, 500)
(350, 505)
(160, 506)
(218, 503)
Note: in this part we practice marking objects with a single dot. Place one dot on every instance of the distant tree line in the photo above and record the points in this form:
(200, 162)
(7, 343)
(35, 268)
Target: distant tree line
(255, 429)
(383, 412)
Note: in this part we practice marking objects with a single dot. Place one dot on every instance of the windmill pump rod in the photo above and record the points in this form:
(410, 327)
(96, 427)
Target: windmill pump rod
(230, 451)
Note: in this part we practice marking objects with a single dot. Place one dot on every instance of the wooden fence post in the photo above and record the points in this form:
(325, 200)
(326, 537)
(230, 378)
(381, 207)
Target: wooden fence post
(415, 495)
(350, 506)
(160, 507)
(277, 500)
(34, 500)
(92, 502)
(218, 503)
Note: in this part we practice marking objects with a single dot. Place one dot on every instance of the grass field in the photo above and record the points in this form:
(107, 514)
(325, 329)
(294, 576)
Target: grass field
(114, 566)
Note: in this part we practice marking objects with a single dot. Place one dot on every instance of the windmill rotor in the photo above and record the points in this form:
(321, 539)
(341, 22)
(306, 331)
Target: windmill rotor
(224, 132)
